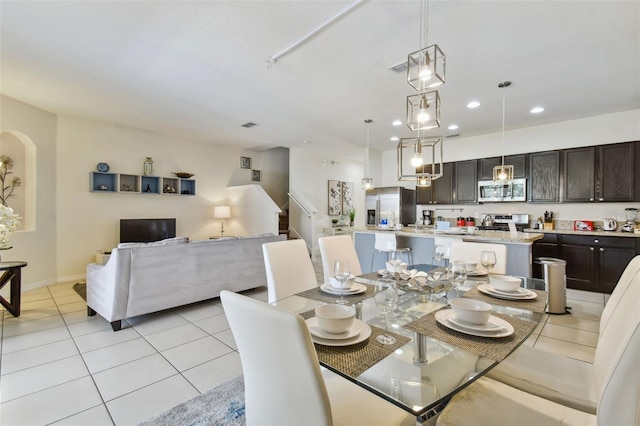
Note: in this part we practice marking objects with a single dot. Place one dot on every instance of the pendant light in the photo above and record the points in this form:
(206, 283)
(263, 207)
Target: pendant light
(503, 173)
(425, 70)
(367, 182)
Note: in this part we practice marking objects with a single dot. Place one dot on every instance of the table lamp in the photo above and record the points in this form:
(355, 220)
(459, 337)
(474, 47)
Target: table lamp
(221, 212)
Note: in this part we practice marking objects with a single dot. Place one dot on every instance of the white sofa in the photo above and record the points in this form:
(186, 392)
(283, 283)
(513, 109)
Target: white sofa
(141, 278)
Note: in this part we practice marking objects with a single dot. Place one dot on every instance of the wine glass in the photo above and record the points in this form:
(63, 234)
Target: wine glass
(341, 273)
(488, 260)
(395, 259)
(386, 299)
(458, 275)
(438, 254)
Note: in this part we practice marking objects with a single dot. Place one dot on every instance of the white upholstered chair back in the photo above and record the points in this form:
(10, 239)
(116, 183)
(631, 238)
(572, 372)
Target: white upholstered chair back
(338, 247)
(288, 267)
(625, 279)
(463, 250)
(446, 242)
(282, 378)
(616, 369)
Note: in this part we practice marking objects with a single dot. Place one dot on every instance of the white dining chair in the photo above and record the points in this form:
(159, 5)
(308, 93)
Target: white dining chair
(338, 247)
(385, 242)
(284, 384)
(561, 379)
(614, 381)
(468, 251)
(289, 268)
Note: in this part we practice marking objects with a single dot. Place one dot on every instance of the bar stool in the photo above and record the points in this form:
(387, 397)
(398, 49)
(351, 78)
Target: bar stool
(385, 242)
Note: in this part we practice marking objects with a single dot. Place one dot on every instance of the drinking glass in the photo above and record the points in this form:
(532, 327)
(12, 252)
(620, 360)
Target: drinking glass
(386, 299)
(488, 260)
(341, 273)
(438, 254)
(395, 259)
(458, 275)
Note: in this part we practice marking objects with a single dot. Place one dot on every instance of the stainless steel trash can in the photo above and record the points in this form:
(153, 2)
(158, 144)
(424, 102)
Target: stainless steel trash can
(555, 278)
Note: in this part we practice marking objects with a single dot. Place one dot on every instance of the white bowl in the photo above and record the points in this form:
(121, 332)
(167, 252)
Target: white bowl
(505, 283)
(335, 318)
(347, 284)
(470, 266)
(471, 310)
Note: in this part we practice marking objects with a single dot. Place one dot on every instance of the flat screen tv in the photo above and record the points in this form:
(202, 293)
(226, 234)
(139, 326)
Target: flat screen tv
(146, 230)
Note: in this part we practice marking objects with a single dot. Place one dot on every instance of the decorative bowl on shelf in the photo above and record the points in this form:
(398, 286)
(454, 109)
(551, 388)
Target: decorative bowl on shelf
(183, 175)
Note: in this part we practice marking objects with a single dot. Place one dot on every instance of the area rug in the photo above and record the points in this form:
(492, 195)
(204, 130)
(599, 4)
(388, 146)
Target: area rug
(81, 289)
(222, 405)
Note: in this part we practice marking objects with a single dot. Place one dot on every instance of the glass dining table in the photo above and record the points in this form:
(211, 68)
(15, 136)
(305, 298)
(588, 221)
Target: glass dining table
(430, 362)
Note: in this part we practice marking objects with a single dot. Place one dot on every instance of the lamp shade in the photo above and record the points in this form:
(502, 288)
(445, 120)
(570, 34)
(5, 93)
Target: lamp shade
(221, 212)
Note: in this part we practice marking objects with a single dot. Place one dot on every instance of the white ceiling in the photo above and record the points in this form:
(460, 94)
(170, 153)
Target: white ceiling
(198, 69)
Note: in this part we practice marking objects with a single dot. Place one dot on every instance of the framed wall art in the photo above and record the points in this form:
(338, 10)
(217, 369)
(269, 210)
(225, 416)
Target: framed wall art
(335, 198)
(347, 197)
(245, 162)
(256, 175)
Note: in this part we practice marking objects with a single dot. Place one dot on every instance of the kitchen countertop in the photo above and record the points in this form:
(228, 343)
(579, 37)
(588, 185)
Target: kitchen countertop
(593, 233)
(493, 236)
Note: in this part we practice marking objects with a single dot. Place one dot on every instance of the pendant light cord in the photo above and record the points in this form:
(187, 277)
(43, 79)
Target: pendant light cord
(503, 115)
(424, 24)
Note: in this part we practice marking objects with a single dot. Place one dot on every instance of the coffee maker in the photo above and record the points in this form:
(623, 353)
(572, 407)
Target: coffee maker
(427, 217)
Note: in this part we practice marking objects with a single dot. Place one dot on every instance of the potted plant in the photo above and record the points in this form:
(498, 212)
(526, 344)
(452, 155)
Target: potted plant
(352, 216)
(335, 222)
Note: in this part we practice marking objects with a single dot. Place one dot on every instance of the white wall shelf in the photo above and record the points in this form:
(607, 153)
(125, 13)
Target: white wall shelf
(136, 184)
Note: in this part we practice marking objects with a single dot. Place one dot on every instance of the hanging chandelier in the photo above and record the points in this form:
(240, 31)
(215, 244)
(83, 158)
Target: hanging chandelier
(503, 172)
(367, 182)
(420, 158)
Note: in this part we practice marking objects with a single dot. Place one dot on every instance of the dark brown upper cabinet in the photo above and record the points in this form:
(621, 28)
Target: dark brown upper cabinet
(544, 177)
(518, 162)
(603, 173)
(579, 174)
(440, 191)
(466, 182)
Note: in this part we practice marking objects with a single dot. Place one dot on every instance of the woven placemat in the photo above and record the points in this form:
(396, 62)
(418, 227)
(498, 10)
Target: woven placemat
(538, 304)
(354, 360)
(317, 294)
(493, 348)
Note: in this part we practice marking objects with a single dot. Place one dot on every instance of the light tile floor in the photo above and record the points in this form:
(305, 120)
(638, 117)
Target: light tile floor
(59, 366)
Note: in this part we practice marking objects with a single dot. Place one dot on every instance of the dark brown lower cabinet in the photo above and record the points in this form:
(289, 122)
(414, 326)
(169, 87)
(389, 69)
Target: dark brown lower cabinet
(594, 263)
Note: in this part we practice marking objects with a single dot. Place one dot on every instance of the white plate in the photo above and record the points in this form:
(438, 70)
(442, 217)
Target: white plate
(315, 330)
(520, 292)
(477, 273)
(365, 332)
(444, 317)
(487, 289)
(356, 288)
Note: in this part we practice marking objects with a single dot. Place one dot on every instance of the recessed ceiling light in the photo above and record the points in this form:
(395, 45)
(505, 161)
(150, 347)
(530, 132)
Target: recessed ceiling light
(397, 122)
(305, 141)
(453, 127)
(473, 104)
(536, 110)
(394, 139)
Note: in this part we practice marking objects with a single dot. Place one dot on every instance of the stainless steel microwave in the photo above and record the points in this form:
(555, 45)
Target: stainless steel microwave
(490, 191)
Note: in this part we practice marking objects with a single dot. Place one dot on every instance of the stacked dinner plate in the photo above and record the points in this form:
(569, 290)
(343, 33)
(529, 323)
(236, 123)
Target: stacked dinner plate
(351, 287)
(519, 294)
(494, 327)
(358, 332)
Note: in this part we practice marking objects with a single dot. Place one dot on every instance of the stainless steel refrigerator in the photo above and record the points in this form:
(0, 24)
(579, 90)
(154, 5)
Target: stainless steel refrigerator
(394, 203)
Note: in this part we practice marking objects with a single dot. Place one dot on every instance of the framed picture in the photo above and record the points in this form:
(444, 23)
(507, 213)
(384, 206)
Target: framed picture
(347, 197)
(335, 198)
(245, 162)
(256, 175)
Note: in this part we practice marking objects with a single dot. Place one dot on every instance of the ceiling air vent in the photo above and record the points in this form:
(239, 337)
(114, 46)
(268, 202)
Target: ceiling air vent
(401, 67)
(249, 124)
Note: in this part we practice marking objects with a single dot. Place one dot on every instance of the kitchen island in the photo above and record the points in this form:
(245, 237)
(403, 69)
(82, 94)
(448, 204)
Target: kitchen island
(422, 241)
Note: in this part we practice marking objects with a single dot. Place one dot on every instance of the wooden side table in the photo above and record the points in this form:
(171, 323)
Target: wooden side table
(12, 273)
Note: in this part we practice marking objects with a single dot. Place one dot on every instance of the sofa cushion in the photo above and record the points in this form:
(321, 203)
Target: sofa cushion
(165, 242)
